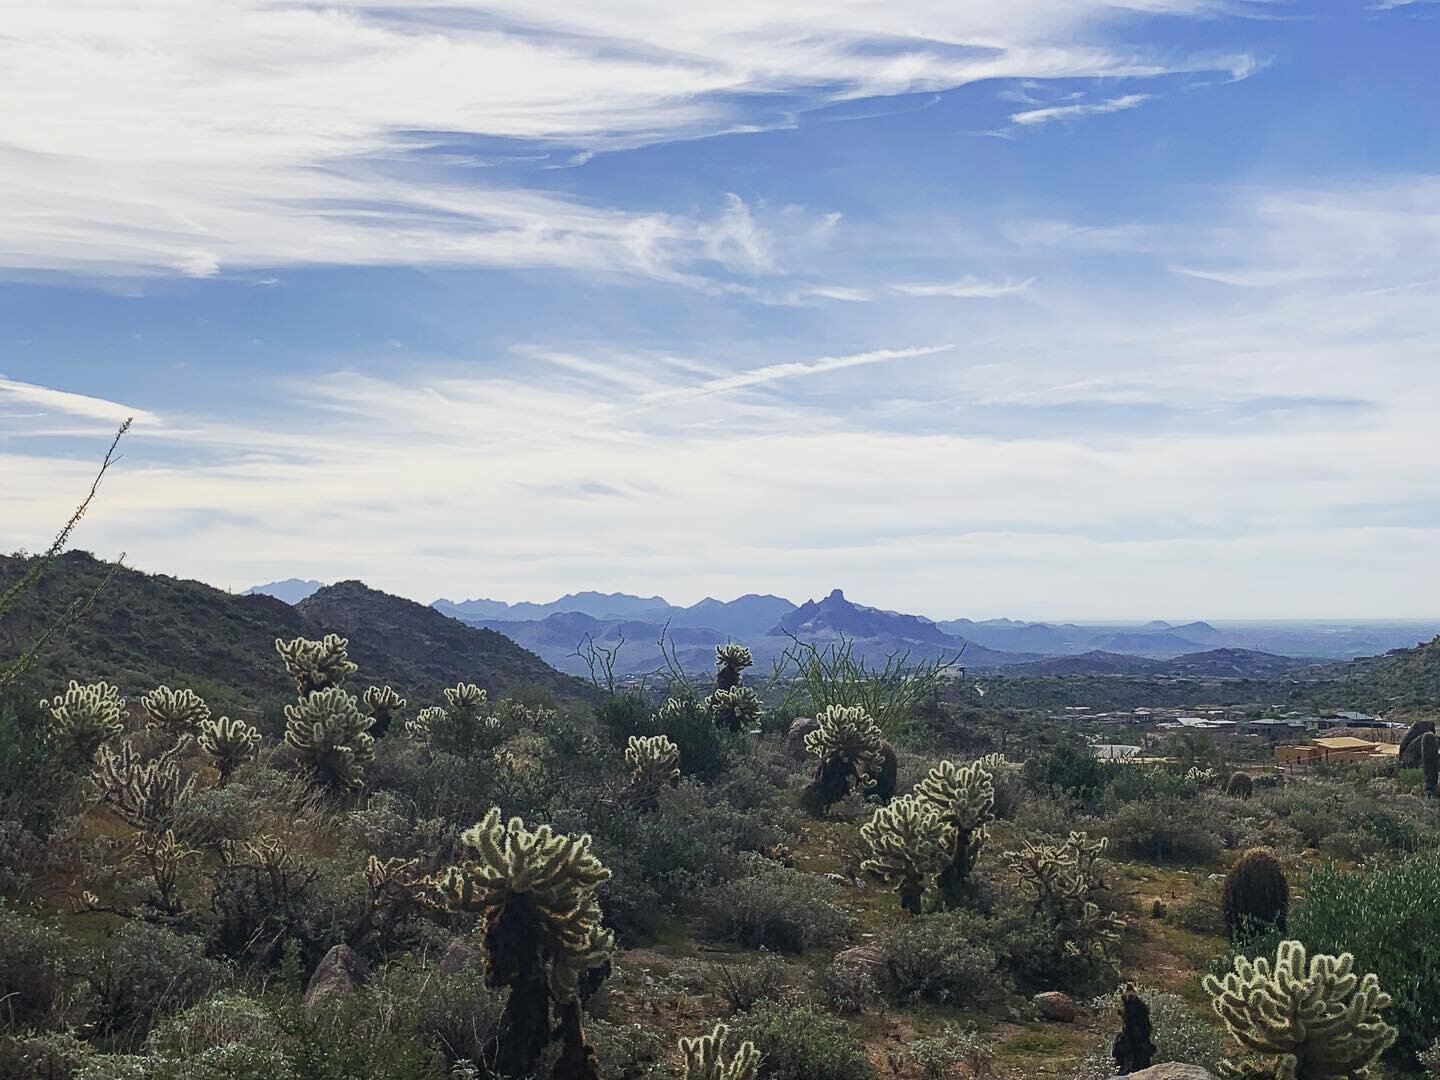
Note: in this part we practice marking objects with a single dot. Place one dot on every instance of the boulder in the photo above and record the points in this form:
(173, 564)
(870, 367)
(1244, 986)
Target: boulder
(795, 737)
(339, 975)
(1173, 1070)
(1056, 1006)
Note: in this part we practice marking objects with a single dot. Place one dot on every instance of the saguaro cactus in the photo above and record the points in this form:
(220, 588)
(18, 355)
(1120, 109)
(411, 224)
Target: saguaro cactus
(909, 843)
(847, 743)
(1256, 896)
(180, 712)
(1318, 1020)
(707, 1057)
(316, 665)
(964, 796)
(383, 706)
(331, 736)
(654, 762)
(85, 717)
(230, 743)
(1134, 1048)
(1430, 761)
(536, 891)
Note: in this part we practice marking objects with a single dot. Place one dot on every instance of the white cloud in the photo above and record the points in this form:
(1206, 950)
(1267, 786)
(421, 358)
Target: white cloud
(21, 397)
(964, 289)
(165, 137)
(1049, 114)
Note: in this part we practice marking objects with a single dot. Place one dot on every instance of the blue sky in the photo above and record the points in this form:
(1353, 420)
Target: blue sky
(1053, 308)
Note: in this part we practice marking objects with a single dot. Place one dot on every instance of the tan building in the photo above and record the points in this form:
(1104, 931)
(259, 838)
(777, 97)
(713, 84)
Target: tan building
(1337, 750)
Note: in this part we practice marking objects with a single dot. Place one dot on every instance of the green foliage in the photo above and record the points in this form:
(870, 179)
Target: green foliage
(779, 909)
(1386, 917)
(744, 985)
(1165, 830)
(229, 743)
(935, 958)
(1256, 897)
(38, 969)
(145, 972)
(709, 1057)
(909, 843)
(466, 726)
(705, 748)
(798, 1043)
(330, 735)
(38, 787)
(1318, 1020)
(835, 677)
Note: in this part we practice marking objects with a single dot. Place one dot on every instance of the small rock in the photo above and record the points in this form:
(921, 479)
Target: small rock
(459, 956)
(795, 738)
(339, 975)
(1172, 1070)
(1056, 1006)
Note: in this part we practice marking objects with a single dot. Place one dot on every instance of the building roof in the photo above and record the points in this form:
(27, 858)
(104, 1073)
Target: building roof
(1346, 742)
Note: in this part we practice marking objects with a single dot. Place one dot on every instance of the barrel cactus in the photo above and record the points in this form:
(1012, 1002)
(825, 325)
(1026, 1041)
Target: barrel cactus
(536, 891)
(180, 712)
(847, 743)
(316, 665)
(1241, 785)
(330, 734)
(1314, 1017)
(964, 796)
(1256, 896)
(707, 1057)
(229, 743)
(85, 717)
(910, 842)
(383, 705)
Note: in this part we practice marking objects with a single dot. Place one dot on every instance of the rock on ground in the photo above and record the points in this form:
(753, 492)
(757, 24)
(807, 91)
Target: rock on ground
(1173, 1071)
(1053, 1005)
(339, 975)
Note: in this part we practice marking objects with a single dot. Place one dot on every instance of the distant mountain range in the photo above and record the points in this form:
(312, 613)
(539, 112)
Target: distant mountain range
(767, 623)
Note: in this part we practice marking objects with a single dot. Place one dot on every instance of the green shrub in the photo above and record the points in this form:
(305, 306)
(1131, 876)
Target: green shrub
(936, 958)
(777, 908)
(1165, 830)
(1386, 918)
(1179, 1031)
(798, 1043)
(145, 972)
(50, 1055)
(38, 966)
(744, 985)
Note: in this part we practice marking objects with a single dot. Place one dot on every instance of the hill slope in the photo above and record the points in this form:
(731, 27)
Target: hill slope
(1402, 681)
(147, 629)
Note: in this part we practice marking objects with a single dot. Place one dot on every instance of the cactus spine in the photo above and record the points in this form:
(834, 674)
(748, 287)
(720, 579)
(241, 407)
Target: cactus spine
(706, 1057)
(1256, 896)
(180, 712)
(230, 743)
(85, 717)
(909, 843)
(330, 734)
(142, 793)
(1240, 785)
(1319, 1020)
(654, 762)
(536, 891)
(316, 665)
(423, 726)
(964, 796)
(383, 705)
(1134, 1048)
(847, 743)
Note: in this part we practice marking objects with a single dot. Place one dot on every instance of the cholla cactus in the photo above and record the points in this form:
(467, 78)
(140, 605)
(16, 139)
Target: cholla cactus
(316, 665)
(164, 855)
(180, 712)
(730, 661)
(382, 704)
(85, 717)
(1320, 1020)
(536, 891)
(331, 735)
(847, 742)
(230, 743)
(423, 726)
(465, 727)
(1200, 777)
(142, 793)
(654, 762)
(734, 709)
(909, 843)
(964, 796)
(707, 1057)
(1063, 880)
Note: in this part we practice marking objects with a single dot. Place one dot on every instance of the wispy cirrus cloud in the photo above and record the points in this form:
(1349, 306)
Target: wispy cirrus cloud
(1051, 113)
(19, 399)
